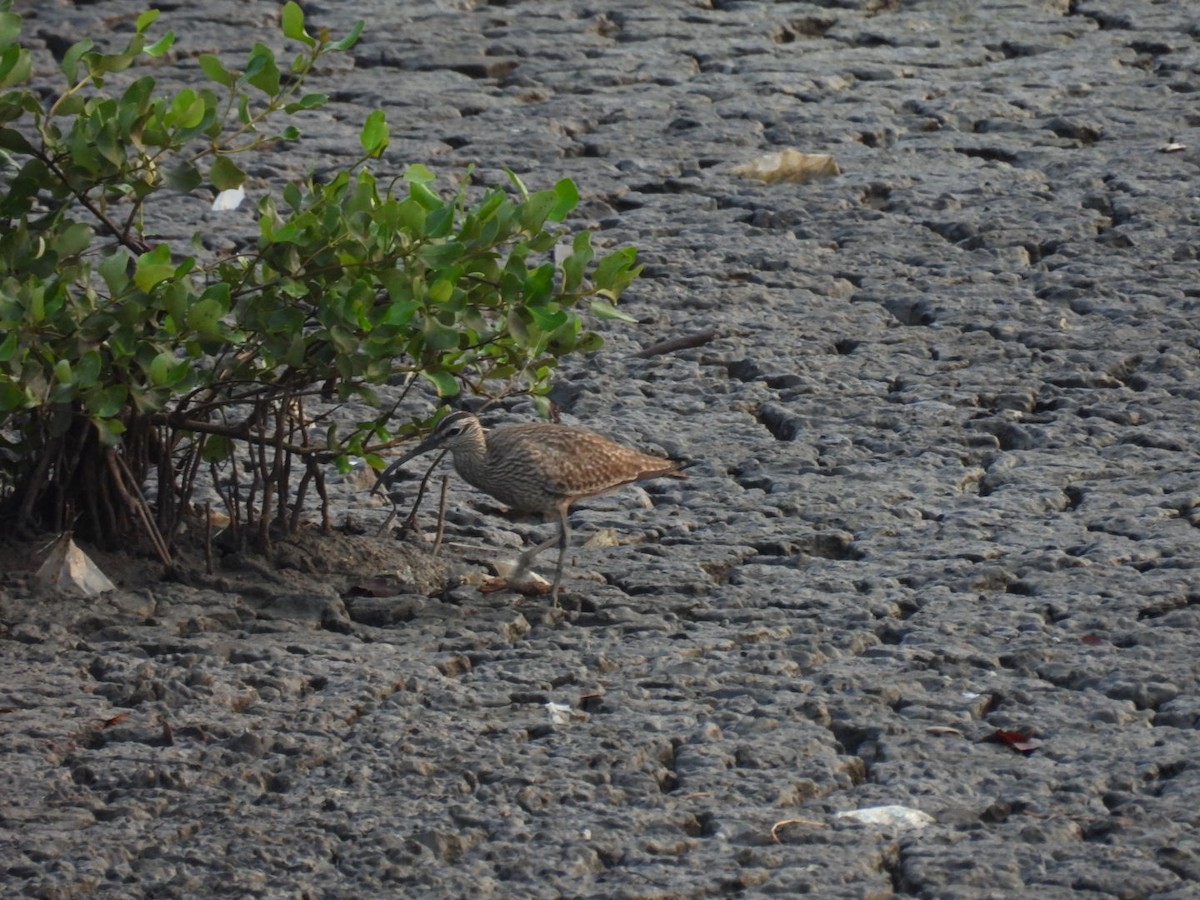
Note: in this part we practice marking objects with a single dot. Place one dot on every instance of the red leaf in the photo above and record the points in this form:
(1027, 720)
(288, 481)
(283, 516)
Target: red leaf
(115, 720)
(1017, 740)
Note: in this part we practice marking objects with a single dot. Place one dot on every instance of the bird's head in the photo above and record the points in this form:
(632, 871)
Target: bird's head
(457, 430)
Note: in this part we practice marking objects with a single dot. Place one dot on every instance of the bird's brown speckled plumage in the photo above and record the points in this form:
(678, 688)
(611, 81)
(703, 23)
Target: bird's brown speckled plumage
(540, 467)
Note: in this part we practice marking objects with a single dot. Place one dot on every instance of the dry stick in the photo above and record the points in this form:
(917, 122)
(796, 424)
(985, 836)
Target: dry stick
(124, 481)
(208, 554)
(25, 510)
(312, 475)
(411, 521)
(680, 343)
(783, 823)
(232, 498)
(262, 478)
(283, 475)
(169, 501)
(326, 518)
(279, 461)
(441, 526)
(104, 519)
(299, 424)
(143, 510)
(412, 516)
(187, 479)
(301, 490)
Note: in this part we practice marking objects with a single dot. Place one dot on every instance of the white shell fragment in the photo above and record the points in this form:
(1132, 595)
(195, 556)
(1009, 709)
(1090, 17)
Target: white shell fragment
(888, 816)
(68, 568)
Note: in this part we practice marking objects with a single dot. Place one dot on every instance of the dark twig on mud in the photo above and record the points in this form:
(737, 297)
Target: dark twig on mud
(441, 520)
(680, 343)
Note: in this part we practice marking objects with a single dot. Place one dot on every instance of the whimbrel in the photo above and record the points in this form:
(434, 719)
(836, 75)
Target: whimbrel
(539, 467)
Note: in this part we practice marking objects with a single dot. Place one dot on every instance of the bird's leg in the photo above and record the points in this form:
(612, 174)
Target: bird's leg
(526, 558)
(565, 538)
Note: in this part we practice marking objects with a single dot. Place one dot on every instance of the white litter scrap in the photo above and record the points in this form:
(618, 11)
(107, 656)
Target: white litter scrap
(888, 816)
(565, 714)
(68, 568)
(229, 199)
(560, 713)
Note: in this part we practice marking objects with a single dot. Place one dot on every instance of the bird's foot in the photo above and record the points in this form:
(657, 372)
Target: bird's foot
(528, 584)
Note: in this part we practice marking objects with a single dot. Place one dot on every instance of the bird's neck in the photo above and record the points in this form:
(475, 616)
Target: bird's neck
(470, 461)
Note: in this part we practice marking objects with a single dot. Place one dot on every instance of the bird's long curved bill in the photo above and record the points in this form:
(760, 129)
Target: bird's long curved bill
(388, 475)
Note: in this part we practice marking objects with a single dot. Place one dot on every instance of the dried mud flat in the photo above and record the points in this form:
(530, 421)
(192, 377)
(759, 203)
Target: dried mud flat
(948, 486)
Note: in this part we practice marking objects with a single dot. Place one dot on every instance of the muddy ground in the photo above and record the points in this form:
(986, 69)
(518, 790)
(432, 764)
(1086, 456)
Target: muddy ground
(946, 486)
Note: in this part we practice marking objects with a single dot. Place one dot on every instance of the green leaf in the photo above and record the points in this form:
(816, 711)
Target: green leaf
(351, 38)
(575, 265)
(517, 183)
(73, 240)
(566, 198)
(146, 19)
(416, 173)
(154, 267)
(217, 448)
(62, 371)
(109, 431)
(539, 285)
(261, 70)
(225, 174)
(424, 196)
(114, 270)
(183, 177)
(548, 320)
(10, 27)
(400, 312)
(187, 110)
(441, 290)
(88, 369)
(11, 139)
(70, 60)
(615, 271)
(533, 212)
(16, 65)
(374, 137)
(439, 222)
(108, 402)
(12, 397)
(8, 346)
(439, 336)
(292, 22)
(160, 369)
(440, 255)
(205, 316)
(213, 68)
(308, 101)
(605, 310)
(517, 322)
(162, 45)
(446, 384)
(589, 342)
